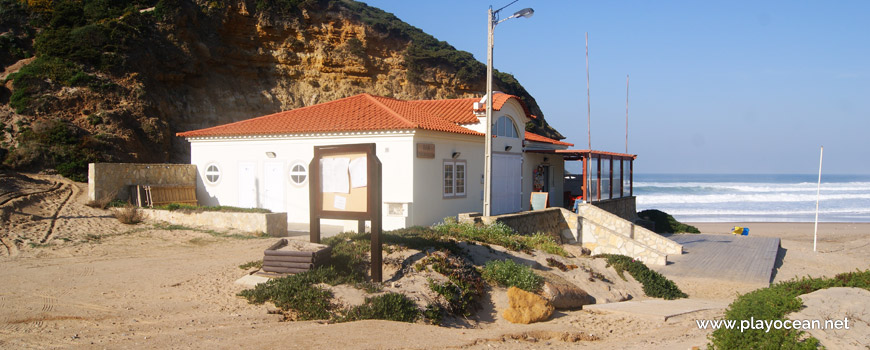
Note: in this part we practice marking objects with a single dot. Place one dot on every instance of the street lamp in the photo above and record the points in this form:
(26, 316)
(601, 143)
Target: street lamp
(491, 21)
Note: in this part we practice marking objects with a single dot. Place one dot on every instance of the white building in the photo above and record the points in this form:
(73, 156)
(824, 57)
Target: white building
(432, 155)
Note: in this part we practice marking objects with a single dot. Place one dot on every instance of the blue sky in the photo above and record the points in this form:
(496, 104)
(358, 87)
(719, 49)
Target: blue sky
(716, 87)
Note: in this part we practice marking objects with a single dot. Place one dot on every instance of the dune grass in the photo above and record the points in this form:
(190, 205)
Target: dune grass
(774, 303)
(507, 273)
(654, 284)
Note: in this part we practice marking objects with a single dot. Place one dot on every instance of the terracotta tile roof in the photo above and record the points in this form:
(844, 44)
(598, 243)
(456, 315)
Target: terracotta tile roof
(538, 138)
(459, 111)
(362, 112)
(499, 99)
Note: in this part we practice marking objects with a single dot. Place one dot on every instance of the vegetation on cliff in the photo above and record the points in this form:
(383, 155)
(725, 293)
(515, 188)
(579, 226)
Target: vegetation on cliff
(665, 223)
(121, 76)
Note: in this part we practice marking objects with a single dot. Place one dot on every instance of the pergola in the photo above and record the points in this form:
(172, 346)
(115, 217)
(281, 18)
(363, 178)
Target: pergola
(606, 175)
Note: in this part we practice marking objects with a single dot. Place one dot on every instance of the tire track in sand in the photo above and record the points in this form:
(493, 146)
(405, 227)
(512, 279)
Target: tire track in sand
(56, 213)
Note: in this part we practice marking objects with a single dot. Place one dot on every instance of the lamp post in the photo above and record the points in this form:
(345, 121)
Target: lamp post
(491, 21)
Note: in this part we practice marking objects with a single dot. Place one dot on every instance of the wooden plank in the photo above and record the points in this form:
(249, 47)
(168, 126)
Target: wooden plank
(280, 243)
(288, 258)
(287, 253)
(296, 265)
(283, 269)
(166, 194)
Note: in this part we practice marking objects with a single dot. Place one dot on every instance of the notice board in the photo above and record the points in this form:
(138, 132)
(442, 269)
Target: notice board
(345, 184)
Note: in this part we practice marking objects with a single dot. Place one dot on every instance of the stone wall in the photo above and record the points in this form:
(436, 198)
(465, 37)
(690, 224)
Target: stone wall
(594, 228)
(106, 179)
(602, 240)
(627, 228)
(625, 207)
(273, 224)
(548, 221)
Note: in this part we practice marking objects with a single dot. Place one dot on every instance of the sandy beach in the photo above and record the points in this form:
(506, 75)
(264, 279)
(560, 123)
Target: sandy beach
(92, 282)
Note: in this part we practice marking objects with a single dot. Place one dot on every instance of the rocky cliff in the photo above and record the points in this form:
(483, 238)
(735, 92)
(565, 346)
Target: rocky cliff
(113, 80)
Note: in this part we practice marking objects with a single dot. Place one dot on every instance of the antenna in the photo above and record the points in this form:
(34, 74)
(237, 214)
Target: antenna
(588, 103)
(626, 113)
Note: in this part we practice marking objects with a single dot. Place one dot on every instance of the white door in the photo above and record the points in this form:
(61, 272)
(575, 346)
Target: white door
(273, 186)
(506, 183)
(247, 184)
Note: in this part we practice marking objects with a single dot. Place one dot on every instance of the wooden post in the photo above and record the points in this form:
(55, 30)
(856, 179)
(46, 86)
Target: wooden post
(375, 207)
(314, 197)
(361, 226)
(585, 173)
(598, 176)
(621, 177)
(610, 183)
(631, 177)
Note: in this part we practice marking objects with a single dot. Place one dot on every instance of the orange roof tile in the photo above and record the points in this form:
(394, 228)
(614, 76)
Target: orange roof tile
(362, 112)
(459, 111)
(499, 99)
(538, 138)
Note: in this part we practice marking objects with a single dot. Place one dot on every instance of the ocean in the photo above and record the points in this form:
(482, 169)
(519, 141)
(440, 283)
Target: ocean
(755, 198)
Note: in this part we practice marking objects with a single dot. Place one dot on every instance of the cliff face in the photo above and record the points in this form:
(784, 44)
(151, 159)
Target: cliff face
(183, 65)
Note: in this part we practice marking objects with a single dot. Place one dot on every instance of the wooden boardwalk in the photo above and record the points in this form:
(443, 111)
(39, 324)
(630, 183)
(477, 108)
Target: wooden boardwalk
(728, 257)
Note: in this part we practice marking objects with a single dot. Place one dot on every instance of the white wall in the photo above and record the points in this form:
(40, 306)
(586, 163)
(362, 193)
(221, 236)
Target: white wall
(430, 206)
(557, 177)
(395, 151)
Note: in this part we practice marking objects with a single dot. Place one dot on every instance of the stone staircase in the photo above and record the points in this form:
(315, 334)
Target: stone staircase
(605, 233)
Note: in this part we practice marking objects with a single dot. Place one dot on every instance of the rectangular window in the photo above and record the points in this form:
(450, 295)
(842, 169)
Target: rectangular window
(448, 179)
(460, 179)
(605, 178)
(454, 178)
(592, 178)
(617, 179)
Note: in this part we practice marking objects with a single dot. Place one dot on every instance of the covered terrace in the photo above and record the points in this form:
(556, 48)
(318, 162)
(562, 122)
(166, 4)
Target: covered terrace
(607, 180)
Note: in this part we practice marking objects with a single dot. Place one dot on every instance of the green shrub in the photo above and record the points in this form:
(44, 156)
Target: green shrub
(665, 223)
(299, 293)
(499, 234)
(356, 48)
(221, 208)
(507, 273)
(654, 284)
(284, 7)
(774, 303)
(295, 293)
(12, 49)
(251, 264)
(95, 119)
(349, 252)
(38, 77)
(54, 143)
(17, 34)
(75, 170)
(389, 306)
(464, 287)
(434, 313)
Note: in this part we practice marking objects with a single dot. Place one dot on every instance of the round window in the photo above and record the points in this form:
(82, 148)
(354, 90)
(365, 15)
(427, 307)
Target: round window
(212, 173)
(298, 173)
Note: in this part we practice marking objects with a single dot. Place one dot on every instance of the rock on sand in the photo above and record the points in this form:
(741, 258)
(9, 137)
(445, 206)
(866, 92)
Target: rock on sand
(526, 307)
